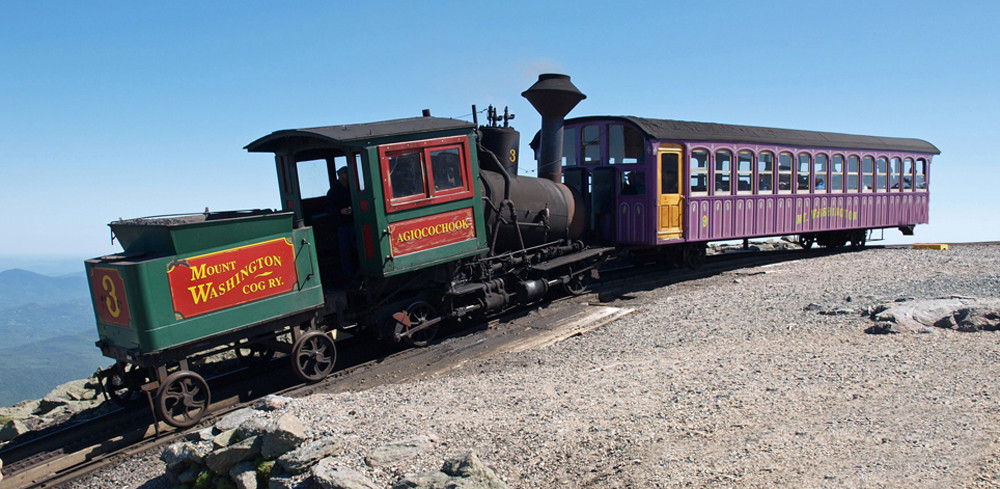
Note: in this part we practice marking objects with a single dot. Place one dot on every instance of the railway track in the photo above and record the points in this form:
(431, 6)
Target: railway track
(59, 454)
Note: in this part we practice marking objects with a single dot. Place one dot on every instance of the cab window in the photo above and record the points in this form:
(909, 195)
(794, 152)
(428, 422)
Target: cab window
(420, 173)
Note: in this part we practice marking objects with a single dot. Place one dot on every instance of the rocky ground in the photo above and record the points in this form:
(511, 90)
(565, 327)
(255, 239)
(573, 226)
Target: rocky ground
(760, 377)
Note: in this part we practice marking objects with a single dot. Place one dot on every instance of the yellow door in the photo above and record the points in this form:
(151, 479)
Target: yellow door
(670, 197)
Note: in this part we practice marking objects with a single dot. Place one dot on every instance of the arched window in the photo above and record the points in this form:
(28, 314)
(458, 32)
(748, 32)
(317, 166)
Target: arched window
(819, 173)
(920, 177)
(625, 144)
(765, 172)
(895, 172)
(853, 170)
(881, 174)
(592, 144)
(723, 172)
(837, 174)
(785, 173)
(868, 174)
(803, 174)
(698, 171)
(744, 172)
(908, 174)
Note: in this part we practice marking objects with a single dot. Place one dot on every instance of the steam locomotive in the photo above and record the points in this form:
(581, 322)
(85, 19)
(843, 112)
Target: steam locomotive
(389, 228)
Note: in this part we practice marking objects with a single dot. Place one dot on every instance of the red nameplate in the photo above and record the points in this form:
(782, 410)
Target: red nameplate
(227, 278)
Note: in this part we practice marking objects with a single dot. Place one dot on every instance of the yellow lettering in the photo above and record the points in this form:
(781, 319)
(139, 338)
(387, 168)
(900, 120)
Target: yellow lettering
(202, 293)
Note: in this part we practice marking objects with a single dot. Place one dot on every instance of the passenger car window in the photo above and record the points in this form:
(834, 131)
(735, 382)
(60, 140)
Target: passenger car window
(908, 174)
(785, 172)
(853, 169)
(868, 174)
(723, 171)
(803, 174)
(837, 173)
(698, 171)
(744, 172)
(765, 172)
(819, 173)
(591, 144)
(624, 145)
(881, 173)
(569, 146)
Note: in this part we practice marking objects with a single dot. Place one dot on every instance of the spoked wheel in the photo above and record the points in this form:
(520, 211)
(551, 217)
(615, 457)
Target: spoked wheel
(183, 399)
(251, 354)
(419, 313)
(313, 356)
(806, 241)
(858, 238)
(694, 255)
(577, 284)
(122, 383)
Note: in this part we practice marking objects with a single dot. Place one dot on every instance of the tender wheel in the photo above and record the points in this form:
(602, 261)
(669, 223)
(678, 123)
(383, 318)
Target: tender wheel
(183, 399)
(122, 383)
(694, 255)
(253, 353)
(577, 284)
(313, 356)
(420, 312)
(806, 241)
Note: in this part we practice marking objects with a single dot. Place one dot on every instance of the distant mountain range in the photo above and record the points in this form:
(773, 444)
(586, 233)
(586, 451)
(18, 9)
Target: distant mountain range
(47, 333)
(19, 287)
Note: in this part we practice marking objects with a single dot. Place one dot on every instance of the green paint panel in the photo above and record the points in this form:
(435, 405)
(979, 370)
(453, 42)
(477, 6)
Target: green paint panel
(265, 270)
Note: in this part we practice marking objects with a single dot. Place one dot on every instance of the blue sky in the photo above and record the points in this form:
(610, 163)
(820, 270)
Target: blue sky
(128, 109)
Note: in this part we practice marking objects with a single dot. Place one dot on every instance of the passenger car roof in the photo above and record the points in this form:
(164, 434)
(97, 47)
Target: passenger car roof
(665, 129)
(354, 133)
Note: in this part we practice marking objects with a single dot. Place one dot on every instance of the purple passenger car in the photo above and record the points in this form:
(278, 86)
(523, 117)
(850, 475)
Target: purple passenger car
(652, 183)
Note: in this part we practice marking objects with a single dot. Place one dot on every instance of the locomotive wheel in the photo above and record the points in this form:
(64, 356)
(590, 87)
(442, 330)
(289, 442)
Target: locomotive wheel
(419, 313)
(694, 255)
(806, 241)
(253, 353)
(122, 383)
(576, 285)
(313, 356)
(183, 399)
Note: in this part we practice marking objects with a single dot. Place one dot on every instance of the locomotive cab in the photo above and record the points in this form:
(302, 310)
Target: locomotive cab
(414, 198)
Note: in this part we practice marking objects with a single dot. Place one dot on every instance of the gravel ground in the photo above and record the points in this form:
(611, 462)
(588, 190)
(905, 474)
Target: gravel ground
(728, 381)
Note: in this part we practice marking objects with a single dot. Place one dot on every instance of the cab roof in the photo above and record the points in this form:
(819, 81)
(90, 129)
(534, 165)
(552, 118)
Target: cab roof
(352, 134)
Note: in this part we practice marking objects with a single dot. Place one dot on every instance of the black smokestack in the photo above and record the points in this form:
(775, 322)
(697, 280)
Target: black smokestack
(553, 96)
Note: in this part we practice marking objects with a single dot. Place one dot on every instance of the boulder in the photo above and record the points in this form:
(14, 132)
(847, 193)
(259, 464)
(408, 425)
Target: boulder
(13, 429)
(399, 450)
(244, 474)
(20, 410)
(283, 435)
(252, 426)
(328, 475)
(182, 455)
(466, 472)
(223, 459)
(922, 316)
(271, 402)
(75, 390)
(307, 455)
(234, 419)
(224, 439)
(290, 481)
